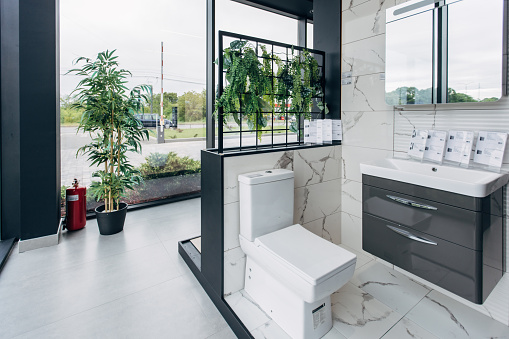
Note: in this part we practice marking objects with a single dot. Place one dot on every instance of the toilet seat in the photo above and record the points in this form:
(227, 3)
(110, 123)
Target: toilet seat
(307, 264)
(311, 257)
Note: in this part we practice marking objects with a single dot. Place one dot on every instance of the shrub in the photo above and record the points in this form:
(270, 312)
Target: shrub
(159, 165)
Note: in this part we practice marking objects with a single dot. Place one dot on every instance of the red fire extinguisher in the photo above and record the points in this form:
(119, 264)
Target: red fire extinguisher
(75, 207)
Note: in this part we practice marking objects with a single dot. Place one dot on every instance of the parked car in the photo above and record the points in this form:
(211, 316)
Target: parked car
(152, 120)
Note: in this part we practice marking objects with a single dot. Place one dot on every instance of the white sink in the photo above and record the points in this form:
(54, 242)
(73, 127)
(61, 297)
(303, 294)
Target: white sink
(474, 183)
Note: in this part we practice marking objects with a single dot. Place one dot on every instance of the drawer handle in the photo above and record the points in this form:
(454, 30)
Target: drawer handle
(409, 235)
(411, 203)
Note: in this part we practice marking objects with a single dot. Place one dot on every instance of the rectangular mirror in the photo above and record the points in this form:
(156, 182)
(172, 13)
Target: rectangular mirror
(444, 51)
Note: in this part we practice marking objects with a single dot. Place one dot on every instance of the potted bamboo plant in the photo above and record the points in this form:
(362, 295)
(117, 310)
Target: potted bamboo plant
(109, 117)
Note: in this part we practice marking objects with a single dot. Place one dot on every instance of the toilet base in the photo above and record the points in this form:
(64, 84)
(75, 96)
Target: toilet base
(299, 319)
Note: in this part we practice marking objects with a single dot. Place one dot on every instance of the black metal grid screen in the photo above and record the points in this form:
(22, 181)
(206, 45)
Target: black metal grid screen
(277, 133)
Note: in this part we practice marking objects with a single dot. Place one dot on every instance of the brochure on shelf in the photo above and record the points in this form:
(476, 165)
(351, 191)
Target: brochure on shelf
(435, 146)
(326, 127)
(337, 131)
(490, 148)
(418, 144)
(459, 147)
(310, 132)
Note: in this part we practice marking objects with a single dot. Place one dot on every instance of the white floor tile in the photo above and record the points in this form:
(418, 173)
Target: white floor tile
(390, 287)
(270, 330)
(447, 318)
(406, 329)
(358, 314)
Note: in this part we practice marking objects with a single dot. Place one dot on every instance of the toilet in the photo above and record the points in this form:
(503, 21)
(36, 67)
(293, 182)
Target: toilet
(290, 272)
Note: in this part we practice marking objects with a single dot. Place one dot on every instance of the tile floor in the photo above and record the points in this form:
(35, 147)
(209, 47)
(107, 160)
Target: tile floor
(135, 285)
(380, 302)
(129, 285)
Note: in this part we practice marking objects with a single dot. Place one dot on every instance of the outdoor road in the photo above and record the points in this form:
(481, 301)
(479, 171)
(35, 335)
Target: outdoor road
(78, 167)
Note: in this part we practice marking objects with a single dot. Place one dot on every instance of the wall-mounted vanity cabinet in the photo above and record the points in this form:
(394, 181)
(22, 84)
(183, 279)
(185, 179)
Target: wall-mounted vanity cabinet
(451, 240)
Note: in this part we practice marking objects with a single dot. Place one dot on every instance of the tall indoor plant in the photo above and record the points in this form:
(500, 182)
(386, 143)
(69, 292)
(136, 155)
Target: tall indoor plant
(109, 117)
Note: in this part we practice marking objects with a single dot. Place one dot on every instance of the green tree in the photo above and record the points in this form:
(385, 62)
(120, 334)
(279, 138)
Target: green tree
(169, 101)
(191, 106)
(453, 96)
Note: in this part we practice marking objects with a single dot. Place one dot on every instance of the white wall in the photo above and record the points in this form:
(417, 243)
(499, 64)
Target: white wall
(373, 130)
(317, 200)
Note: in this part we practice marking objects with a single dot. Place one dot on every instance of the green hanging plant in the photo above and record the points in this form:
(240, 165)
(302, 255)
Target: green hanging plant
(248, 84)
(250, 90)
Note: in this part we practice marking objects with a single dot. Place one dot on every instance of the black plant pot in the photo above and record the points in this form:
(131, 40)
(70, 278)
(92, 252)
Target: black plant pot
(111, 222)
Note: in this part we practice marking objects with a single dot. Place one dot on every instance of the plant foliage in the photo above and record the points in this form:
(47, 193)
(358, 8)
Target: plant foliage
(109, 110)
(253, 88)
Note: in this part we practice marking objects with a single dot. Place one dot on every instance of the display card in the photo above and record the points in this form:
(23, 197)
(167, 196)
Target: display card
(459, 147)
(490, 149)
(418, 144)
(435, 146)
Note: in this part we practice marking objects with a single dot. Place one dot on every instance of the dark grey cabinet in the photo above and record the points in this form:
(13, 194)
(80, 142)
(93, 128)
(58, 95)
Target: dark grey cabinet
(451, 240)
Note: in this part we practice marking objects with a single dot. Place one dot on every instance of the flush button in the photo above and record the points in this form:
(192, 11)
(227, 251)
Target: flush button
(268, 171)
(434, 169)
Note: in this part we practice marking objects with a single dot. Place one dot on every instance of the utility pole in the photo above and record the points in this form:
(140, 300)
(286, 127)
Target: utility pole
(160, 131)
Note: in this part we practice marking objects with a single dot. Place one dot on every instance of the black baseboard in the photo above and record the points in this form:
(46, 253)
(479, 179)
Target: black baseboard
(185, 249)
(6, 247)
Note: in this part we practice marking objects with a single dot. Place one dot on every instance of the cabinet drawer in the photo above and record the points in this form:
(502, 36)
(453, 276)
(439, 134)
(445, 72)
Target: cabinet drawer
(453, 267)
(454, 224)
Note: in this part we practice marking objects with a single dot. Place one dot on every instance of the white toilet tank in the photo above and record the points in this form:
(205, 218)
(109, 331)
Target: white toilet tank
(266, 202)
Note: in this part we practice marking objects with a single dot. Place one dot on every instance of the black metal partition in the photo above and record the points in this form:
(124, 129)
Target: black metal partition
(275, 135)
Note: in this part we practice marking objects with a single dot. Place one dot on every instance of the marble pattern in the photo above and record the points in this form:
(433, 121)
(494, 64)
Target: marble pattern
(368, 129)
(328, 227)
(351, 197)
(234, 270)
(231, 225)
(365, 93)
(364, 111)
(351, 231)
(353, 156)
(363, 58)
(233, 166)
(317, 201)
(316, 165)
(357, 314)
(447, 318)
(407, 329)
(382, 303)
(390, 287)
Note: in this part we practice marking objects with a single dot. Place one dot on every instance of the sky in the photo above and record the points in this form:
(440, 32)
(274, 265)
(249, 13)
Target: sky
(136, 29)
(475, 51)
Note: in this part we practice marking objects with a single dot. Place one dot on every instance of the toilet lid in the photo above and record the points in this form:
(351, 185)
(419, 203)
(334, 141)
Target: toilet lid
(308, 255)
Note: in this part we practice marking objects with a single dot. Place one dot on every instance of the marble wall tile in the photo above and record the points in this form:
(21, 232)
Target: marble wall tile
(351, 231)
(368, 129)
(328, 227)
(447, 318)
(389, 286)
(365, 93)
(363, 258)
(234, 270)
(365, 20)
(269, 330)
(348, 4)
(233, 166)
(231, 226)
(317, 201)
(247, 310)
(351, 197)
(364, 57)
(353, 156)
(357, 314)
(315, 165)
(405, 122)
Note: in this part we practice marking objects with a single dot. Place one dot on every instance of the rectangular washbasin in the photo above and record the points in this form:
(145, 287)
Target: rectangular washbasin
(470, 182)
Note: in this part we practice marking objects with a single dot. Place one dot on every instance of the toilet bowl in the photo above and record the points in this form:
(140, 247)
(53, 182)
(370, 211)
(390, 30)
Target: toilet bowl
(290, 272)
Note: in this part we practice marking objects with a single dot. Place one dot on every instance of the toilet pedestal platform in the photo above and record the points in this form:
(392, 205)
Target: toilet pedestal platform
(299, 319)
